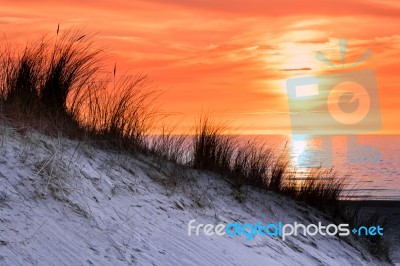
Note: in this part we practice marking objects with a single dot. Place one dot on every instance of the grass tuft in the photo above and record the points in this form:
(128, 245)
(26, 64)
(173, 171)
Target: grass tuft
(212, 150)
(60, 86)
(254, 164)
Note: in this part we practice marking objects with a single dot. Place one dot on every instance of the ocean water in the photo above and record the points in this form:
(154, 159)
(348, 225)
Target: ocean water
(372, 163)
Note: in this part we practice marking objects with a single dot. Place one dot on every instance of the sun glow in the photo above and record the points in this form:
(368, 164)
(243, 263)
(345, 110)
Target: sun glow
(297, 148)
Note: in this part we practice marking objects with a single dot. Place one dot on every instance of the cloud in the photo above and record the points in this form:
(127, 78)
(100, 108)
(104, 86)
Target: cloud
(289, 7)
(296, 69)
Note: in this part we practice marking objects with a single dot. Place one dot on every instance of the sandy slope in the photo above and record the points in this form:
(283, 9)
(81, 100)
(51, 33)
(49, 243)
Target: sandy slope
(67, 203)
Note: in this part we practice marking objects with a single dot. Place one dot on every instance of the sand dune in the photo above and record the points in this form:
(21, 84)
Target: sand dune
(67, 203)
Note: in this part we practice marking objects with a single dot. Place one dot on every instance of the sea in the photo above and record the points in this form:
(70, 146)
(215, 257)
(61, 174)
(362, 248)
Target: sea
(370, 163)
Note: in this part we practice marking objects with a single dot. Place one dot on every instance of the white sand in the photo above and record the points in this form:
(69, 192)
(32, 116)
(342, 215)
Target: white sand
(65, 203)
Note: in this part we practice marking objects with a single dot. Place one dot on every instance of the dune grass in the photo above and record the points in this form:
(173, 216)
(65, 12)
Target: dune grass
(169, 146)
(122, 116)
(212, 149)
(61, 86)
(250, 165)
(254, 164)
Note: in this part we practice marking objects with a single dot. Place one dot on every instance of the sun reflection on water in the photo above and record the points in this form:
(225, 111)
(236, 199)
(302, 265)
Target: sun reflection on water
(298, 145)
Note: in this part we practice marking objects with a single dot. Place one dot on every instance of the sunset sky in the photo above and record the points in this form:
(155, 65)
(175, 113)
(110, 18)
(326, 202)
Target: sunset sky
(229, 57)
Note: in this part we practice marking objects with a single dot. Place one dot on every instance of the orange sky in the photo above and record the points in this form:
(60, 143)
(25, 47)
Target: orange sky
(230, 57)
